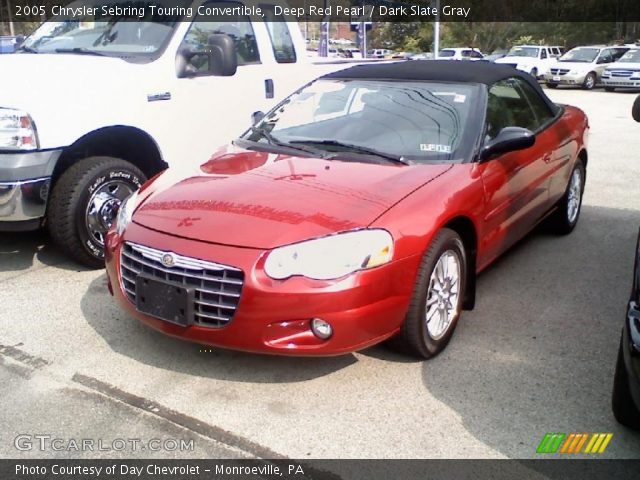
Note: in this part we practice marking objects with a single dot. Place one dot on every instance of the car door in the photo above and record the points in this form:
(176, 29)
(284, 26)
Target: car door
(516, 184)
(218, 108)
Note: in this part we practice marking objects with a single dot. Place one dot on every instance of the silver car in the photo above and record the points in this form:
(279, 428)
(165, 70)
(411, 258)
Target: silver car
(582, 66)
(625, 73)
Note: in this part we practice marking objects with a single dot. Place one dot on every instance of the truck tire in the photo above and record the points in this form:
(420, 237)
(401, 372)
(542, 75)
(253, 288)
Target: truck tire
(84, 202)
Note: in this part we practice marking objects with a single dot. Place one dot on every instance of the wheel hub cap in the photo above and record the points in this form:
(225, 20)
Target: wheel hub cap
(575, 193)
(443, 295)
(103, 207)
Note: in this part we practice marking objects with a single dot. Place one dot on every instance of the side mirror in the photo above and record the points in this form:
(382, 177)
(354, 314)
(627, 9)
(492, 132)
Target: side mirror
(509, 139)
(635, 110)
(218, 58)
(256, 117)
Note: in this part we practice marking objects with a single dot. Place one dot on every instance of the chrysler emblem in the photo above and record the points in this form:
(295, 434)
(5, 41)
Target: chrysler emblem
(168, 259)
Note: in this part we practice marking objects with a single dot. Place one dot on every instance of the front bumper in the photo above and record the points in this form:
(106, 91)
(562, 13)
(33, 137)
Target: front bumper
(631, 349)
(621, 82)
(25, 179)
(274, 316)
(566, 79)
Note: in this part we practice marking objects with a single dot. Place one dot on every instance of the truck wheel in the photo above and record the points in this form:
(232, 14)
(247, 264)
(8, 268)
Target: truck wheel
(589, 81)
(635, 110)
(84, 202)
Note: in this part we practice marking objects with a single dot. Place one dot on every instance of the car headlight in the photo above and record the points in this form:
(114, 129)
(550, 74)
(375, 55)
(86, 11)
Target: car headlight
(606, 74)
(125, 212)
(635, 75)
(331, 257)
(574, 72)
(17, 130)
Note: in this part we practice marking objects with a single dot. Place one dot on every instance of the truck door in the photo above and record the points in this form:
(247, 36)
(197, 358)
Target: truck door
(217, 109)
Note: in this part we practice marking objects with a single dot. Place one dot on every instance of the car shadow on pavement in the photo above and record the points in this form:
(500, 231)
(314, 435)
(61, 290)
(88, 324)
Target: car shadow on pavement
(538, 352)
(22, 251)
(128, 337)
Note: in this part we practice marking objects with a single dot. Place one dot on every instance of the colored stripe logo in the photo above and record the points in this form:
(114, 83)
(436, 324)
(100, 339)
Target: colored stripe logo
(593, 443)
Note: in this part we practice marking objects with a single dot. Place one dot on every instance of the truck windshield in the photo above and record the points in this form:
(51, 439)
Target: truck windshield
(523, 52)
(632, 56)
(415, 121)
(108, 28)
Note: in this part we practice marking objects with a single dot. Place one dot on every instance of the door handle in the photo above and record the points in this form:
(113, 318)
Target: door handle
(269, 89)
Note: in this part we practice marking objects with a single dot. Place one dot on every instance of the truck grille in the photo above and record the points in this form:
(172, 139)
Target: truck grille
(559, 71)
(621, 73)
(217, 287)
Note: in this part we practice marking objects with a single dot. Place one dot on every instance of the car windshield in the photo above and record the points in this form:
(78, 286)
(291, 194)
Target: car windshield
(523, 52)
(414, 121)
(632, 56)
(580, 55)
(112, 28)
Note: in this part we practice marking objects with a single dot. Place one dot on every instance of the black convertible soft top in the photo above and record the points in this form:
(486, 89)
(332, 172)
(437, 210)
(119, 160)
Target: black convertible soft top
(464, 71)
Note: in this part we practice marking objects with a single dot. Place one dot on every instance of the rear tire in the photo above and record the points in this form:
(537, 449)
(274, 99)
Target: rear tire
(437, 298)
(85, 200)
(552, 85)
(609, 89)
(565, 218)
(624, 409)
(589, 82)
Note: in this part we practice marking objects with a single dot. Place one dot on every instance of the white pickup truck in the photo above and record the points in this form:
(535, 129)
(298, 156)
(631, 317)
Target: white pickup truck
(91, 107)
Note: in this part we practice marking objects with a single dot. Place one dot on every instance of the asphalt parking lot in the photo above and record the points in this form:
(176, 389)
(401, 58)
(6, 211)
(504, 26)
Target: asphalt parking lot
(536, 355)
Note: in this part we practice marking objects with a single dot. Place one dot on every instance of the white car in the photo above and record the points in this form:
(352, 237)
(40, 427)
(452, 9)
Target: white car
(625, 73)
(116, 101)
(583, 66)
(460, 54)
(533, 59)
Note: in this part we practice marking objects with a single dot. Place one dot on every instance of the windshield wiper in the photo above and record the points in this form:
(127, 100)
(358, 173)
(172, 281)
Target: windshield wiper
(263, 132)
(24, 48)
(80, 51)
(356, 149)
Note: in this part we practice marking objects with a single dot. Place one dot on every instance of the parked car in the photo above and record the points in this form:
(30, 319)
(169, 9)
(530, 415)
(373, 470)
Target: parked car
(379, 53)
(626, 383)
(533, 59)
(120, 100)
(8, 44)
(460, 54)
(495, 55)
(359, 209)
(625, 73)
(403, 55)
(422, 56)
(582, 66)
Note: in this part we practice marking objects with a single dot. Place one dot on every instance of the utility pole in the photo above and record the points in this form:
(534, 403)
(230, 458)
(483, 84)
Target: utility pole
(436, 32)
(323, 48)
(12, 32)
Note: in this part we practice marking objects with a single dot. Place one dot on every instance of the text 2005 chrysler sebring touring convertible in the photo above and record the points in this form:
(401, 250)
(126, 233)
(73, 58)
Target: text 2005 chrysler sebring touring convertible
(360, 208)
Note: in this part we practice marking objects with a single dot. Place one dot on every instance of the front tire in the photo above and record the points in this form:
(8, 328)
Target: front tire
(552, 85)
(624, 409)
(84, 202)
(635, 110)
(589, 81)
(437, 298)
(609, 89)
(565, 218)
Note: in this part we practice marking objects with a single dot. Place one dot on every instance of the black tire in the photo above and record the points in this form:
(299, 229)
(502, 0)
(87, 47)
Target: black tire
(69, 201)
(609, 89)
(589, 82)
(534, 72)
(560, 221)
(414, 338)
(622, 404)
(552, 85)
(635, 110)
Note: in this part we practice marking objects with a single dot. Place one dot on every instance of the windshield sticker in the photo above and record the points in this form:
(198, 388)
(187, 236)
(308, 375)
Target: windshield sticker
(459, 98)
(434, 147)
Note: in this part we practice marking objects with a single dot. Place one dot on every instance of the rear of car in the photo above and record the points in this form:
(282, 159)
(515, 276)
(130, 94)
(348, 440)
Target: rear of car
(625, 73)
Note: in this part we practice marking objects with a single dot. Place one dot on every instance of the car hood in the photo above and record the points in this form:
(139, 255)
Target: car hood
(264, 200)
(624, 66)
(516, 60)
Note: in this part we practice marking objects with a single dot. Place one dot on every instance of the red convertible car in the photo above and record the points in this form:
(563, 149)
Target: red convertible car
(360, 208)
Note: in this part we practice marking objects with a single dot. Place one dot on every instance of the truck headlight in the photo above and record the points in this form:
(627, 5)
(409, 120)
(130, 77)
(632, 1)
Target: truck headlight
(606, 74)
(125, 212)
(331, 257)
(17, 130)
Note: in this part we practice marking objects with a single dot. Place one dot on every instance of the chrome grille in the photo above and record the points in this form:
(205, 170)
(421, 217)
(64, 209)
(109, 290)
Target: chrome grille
(217, 287)
(559, 71)
(621, 73)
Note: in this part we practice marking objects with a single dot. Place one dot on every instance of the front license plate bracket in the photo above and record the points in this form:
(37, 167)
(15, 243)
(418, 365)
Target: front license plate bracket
(167, 301)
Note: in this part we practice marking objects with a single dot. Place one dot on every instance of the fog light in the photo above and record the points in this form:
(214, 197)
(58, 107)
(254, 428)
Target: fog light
(321, 329)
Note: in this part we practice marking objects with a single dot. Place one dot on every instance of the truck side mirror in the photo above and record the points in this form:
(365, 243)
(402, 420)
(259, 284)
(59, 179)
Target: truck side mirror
(217, 58)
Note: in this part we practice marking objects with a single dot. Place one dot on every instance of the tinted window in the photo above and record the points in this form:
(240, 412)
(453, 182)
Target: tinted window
(421, 121)
(283, 48)
(605, 57)
(617, 53)
(447, 53)
(543, 53)
(475, 54)
(238, 27)
(514, 103)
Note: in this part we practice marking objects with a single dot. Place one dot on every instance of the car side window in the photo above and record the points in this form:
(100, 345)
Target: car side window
(617, 53)
(605, 57)
(543, 53)
(475, 54)
(238, 27)
(283, 48)
(466, 53)
(514, 103)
